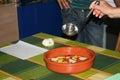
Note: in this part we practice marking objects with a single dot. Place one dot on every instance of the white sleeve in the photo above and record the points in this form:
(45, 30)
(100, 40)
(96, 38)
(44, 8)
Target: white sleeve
(111, 2)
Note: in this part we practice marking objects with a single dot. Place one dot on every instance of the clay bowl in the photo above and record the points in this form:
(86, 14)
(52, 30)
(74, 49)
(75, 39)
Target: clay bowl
(69, 68)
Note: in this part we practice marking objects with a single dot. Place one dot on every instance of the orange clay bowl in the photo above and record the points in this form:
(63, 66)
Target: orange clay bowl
(69, 68)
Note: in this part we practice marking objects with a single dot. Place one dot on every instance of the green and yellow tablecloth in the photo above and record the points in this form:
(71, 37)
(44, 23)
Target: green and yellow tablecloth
(106, 64)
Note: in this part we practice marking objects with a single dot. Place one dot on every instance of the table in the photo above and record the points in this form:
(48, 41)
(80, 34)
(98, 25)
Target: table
(106, 64)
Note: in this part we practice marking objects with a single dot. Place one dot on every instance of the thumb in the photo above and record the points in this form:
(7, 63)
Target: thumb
(92, 5)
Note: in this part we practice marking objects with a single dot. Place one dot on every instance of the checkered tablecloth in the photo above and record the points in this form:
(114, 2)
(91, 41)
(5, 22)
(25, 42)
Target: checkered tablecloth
(106, 64)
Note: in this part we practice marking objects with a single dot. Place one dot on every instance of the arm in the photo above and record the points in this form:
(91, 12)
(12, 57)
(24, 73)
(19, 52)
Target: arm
(115, 13)
(105, 9)
(64, 3)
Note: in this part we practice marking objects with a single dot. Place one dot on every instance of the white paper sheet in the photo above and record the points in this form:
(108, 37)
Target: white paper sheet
(23, 50)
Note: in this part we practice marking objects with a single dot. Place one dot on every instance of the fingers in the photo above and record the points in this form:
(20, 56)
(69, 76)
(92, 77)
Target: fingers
(101, 15)
(70, 1)
(98, 13)
(60, 4)
(92, 5)
(63, 4)
(97, 9)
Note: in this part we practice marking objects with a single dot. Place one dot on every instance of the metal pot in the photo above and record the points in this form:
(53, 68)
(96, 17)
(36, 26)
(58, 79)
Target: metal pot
(70, 29)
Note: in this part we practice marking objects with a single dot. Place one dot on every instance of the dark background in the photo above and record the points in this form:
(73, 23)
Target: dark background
(112, 32)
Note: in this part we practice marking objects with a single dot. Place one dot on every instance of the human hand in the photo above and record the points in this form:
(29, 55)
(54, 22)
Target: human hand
(64, 3)
(102, 9)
